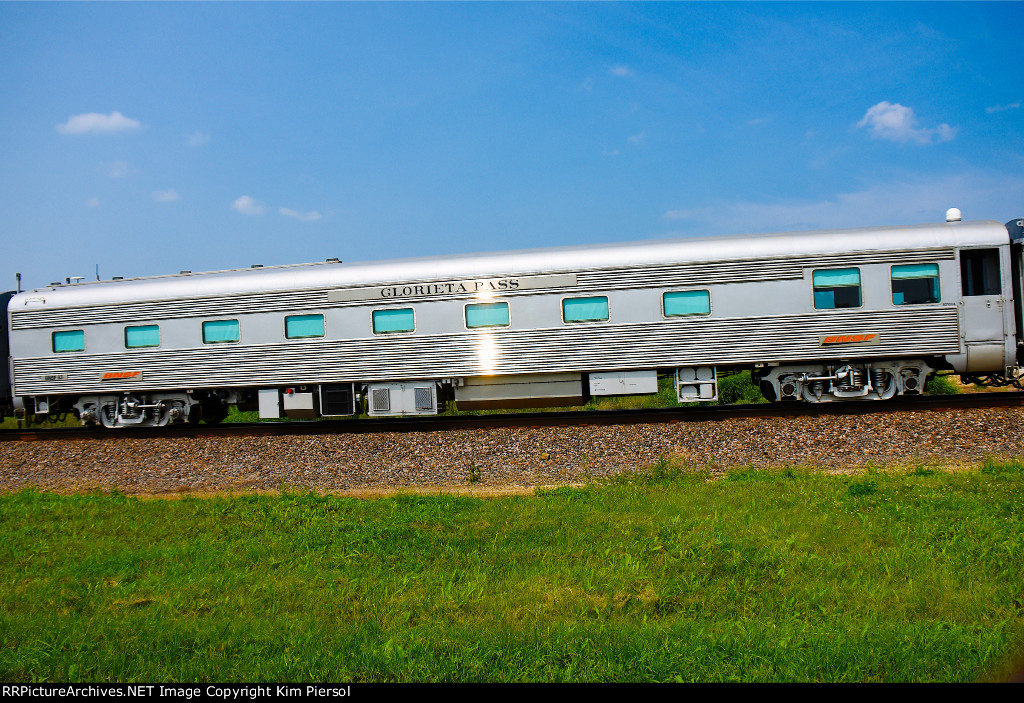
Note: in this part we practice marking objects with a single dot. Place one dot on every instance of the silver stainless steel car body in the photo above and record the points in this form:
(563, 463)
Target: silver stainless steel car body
(761, 315)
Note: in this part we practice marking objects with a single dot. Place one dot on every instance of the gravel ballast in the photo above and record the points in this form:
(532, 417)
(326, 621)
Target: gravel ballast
(505, 459)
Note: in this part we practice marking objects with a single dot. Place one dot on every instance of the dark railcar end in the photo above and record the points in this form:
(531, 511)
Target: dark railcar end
(6, 401)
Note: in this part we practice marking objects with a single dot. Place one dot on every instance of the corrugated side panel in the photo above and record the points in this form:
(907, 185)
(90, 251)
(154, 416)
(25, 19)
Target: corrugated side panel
(168, 309)
(685, 274)
(598, 347)
(747, 271)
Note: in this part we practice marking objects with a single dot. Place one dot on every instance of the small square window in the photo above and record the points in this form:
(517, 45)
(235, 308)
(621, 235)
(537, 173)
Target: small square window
(142, 336)
(389, 321)
(593, 309)
(836, 288)
(220, 331)
(68, 341)
(487, 315)
(688, 302)
(303, 326)
(913, 284)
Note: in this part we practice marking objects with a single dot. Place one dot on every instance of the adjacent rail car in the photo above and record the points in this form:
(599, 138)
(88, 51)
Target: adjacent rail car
(862, 314)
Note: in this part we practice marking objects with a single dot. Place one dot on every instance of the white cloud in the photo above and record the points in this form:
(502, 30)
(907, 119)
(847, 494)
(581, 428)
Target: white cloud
(903, 201)
(166, 196)
(197, 138)
(119, 170)
(97, 123)
(92, 202)
(1000, 108)
(311, 216)
(896, 123)
(620, 71)
(637, 138)
(248, 206)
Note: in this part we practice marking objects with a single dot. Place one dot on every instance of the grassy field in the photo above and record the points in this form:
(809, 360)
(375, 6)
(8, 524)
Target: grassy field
(662, 575)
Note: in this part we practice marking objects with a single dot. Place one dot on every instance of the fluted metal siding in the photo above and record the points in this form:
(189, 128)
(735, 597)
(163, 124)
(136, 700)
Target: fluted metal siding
(904, 333)
(287, 301)
(743, 271)
(682, 274)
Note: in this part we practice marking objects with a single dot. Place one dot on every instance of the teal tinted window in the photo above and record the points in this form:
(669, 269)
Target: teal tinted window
(217, 331)
(487, 315)
(300, 326)
(836, 288)
(689, 302)
(585, 309)
(385, 321)
(913, 284)
(142, 336)
(68, 341)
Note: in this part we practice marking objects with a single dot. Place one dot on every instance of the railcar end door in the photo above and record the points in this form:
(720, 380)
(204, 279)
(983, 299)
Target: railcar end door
(983, 309)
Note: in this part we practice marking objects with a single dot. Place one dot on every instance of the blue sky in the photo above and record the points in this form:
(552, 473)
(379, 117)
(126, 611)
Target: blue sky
(149, 138)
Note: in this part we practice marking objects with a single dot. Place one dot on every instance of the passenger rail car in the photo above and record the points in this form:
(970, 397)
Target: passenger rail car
(817, 316)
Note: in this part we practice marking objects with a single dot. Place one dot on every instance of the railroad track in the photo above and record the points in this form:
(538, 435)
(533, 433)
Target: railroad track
(534, 419)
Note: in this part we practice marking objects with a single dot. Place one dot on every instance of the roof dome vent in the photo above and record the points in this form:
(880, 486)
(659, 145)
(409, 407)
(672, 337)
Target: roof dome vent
(953, 214)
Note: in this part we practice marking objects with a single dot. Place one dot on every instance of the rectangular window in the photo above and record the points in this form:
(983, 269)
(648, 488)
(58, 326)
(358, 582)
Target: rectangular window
(979, 272)
(913, 284)
(836, 288)
(142, 336)
(69, 341)
(218, 331)
(387, 321)
(487, 315)
(593, 309)
(690, 302)
(303, 326)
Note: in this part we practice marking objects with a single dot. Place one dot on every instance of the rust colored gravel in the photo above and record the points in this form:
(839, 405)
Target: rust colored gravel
(506, 459)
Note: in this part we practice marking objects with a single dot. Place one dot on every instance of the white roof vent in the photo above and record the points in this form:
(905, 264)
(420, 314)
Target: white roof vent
(953, 214)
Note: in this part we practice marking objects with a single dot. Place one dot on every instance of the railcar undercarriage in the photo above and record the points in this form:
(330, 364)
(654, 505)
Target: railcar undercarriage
(152, 409)
(809, 382)
(827, 382)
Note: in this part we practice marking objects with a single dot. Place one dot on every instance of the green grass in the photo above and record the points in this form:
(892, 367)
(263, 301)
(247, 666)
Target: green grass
(68, 420)
(658, 575)
(941, 384)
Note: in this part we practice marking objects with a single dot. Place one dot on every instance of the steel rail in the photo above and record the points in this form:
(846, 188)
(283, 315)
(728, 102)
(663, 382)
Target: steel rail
(566, 418)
